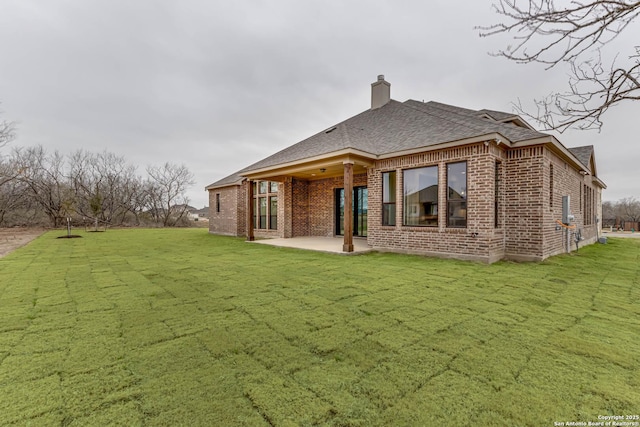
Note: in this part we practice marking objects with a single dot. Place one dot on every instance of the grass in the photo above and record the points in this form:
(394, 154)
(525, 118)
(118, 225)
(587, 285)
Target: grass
(178, 327)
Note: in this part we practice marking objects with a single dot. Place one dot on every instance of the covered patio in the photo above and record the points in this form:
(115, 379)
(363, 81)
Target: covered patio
(342, 165)
(321, 244)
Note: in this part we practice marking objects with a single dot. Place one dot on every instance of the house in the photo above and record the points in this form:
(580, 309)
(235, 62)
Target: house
(425, 178)
(198, 214)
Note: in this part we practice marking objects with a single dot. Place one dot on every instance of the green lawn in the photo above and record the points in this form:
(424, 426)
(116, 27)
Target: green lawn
(178, 327)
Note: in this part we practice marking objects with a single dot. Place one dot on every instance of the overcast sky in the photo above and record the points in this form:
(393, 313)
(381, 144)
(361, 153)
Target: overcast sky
(218, 85)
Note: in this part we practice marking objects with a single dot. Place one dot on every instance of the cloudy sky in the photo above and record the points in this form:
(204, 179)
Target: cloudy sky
(218, 85)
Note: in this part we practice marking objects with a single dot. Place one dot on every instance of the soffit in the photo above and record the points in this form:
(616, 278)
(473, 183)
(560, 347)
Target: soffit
(314, 169)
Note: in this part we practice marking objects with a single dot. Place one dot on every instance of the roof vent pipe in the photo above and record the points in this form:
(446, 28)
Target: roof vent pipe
(380, 92)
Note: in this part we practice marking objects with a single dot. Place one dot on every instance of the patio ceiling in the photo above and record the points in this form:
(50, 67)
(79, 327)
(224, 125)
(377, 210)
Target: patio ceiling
(313, 169)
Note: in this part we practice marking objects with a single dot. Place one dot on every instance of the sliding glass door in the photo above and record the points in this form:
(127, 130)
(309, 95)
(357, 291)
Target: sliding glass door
(360, 203)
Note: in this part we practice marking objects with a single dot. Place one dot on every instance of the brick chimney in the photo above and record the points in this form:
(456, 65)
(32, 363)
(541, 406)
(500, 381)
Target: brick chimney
(380, 92)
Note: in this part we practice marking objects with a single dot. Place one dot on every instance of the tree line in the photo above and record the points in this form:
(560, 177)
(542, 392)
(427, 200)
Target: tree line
(616, 214)
(38, 187)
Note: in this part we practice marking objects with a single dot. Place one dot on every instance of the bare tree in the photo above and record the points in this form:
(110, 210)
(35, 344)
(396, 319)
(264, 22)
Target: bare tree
(102, 186)
(13, 193)
(43, 175)
(133, 198)
(166, 192)
(608, 210)
(7, 132)
(573, 33)
(629, 209)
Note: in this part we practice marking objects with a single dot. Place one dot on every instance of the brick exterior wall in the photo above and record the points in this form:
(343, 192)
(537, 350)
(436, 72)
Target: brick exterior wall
(524, 203)
(230, 221)
(567, 181)
(480, 240)
(299, 208)
(528, 205)
(531, 183)
(322, 204)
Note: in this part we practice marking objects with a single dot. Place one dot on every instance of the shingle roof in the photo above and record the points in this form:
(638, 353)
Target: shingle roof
(233, 179)
(497, 115)
(584, 155)
(395, 127)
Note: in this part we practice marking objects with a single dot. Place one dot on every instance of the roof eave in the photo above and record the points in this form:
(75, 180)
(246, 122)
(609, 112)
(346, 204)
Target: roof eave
(599, 182)
(215, 186)
(559, 148)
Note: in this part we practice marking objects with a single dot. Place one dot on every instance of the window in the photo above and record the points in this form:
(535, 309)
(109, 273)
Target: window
(457, 194)
(585, 203)
(580, 187)
(550, 186)
(265, 212)
(589, 200)
(421, 196)
(262, 211)
(389, 198)
(587, 214)
(273, 213)
(218, 202)
(496, 197)
(255, 213)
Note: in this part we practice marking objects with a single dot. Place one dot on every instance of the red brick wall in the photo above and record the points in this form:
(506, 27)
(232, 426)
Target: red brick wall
(524, 193)
(322, 204)
(566, 181)
(300, 208)
(230, 220)
(529, 205)
(479, 240)
(313, 205)
(526, 224)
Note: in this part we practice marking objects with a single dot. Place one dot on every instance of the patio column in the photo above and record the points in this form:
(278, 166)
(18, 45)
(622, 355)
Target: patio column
(250, 207)
(348, 207)
(285, 203)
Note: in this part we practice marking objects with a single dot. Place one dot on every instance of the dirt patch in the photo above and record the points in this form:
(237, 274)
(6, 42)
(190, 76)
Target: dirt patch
(14, 238)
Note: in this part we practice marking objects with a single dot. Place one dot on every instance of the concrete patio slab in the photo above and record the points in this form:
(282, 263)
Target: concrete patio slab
(321, 244)
(623, 234)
